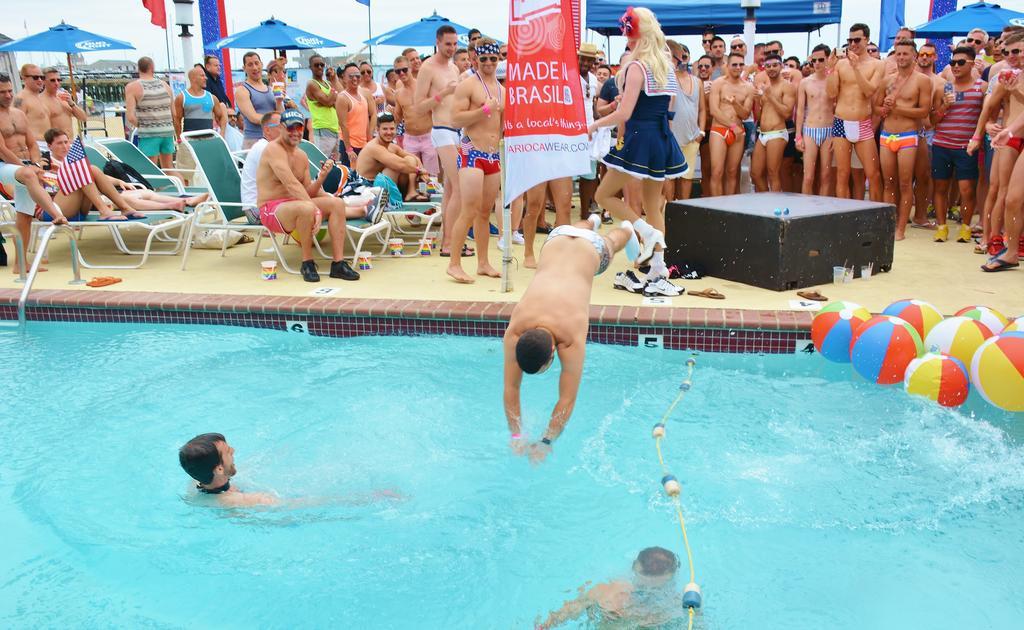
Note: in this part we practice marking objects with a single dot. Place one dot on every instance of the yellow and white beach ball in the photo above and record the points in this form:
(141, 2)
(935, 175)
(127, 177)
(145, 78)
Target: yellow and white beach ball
(997, 371)
(958, 337)
(992, 318)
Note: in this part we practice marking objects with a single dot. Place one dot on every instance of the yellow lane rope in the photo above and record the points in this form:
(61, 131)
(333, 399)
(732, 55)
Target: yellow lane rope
(691, 594)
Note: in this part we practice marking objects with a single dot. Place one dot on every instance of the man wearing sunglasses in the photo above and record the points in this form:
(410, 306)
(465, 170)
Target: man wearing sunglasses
(776, 98)
(731, 100)
(705, 41)
(815, 112)
(853, 82)
(59, 104)
(416, 124)
(30, 101)
(976, 39)
(321, 95)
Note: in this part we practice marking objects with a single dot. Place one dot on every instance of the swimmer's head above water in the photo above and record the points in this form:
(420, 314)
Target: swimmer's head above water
(535, 350)
(655, 565)
(210, 460)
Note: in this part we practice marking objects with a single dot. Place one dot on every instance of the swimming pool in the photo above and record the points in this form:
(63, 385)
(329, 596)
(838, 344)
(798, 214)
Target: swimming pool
(813, 499)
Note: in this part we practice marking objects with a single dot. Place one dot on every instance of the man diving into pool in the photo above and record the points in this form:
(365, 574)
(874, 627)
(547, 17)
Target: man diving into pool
(210, 460)
(649, 600)
(553, 316)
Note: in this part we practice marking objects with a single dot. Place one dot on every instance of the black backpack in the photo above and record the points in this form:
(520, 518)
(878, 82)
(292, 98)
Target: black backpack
(125, 173)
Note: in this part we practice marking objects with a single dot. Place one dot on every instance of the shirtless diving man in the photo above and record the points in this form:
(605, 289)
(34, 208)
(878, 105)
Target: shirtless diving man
(777, 98)
(435, 87)
(732, 100)
(290, 202)
(852, 82)
(477, 107)
(903, 102)
(553, 317)
(815, 111)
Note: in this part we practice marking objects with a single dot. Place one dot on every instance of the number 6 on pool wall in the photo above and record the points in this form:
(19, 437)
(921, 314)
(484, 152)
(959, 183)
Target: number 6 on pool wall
(649, 341)
(296, 327)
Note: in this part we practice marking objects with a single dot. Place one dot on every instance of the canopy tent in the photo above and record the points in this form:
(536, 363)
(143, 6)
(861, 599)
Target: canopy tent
(691, 17)
(989, 17)
(68, 40)
(275, 35)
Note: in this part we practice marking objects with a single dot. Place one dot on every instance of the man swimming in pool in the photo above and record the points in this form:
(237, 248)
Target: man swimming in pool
(553, 316)
(650, 599)
(210, 460)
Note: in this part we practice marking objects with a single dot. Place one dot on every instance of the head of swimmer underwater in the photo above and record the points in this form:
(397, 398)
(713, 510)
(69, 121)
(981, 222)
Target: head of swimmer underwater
(535, 350)
(655, 566)
(209, 459)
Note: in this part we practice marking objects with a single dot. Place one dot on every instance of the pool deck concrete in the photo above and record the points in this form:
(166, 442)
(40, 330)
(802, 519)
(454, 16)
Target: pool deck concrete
(945, 274)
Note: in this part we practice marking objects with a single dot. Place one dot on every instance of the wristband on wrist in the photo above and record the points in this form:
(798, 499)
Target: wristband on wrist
(486, 109)
(437, 97)
(516, 436)
(975, 138)
(545, 440)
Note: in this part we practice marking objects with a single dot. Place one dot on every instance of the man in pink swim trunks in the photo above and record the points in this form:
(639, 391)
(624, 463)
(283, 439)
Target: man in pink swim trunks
(416, 140)
(290, 203)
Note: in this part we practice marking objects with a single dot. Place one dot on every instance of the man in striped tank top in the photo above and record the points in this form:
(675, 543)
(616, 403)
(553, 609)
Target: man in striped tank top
(955, 114)
(147, 104)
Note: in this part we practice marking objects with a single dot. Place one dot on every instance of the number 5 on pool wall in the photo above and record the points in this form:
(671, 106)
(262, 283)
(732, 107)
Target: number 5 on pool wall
(649, 341)
(296, 327)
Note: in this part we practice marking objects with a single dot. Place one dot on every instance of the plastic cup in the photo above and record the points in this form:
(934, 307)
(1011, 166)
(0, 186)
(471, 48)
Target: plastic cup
(278, 89)
(363, 261)
(865, 270)
(838, 274)
(395, 246)
(432, 240)
(269, 269)
(848, 274)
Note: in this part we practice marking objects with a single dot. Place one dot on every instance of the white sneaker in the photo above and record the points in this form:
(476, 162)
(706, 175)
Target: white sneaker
(627, 281)
(652, 238)
(662, 286)
(517, 238)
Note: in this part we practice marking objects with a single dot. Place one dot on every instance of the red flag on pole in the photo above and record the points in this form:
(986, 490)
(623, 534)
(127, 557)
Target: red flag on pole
(545, 123)
(157, 12)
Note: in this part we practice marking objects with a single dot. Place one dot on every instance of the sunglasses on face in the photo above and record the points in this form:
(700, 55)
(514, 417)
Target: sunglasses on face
(488, 58)
(706, 41)
(401, 70)
(1014, 51)
(736, 65)
(366, 72)
(735, 46)
(872, 50)
(926, 54)
(351, 76)
(971, 40)
(854, 40)
(319, 65)
(817, 60)
(37, 77)
(703, 66)
(959, 62)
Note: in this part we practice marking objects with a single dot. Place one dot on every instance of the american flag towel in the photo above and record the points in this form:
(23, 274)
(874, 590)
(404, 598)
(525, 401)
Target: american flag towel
(74, 172)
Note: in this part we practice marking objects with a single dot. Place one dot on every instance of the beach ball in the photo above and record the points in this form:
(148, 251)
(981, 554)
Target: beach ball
(958, 337)
(1017, 325)
(997, 371)
(320, 236)
(921, 315)
(832, 329)
(992, 318)
(939, 377)
(883, 347)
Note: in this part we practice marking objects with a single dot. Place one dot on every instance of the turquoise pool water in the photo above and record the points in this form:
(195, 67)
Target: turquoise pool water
(813, 500)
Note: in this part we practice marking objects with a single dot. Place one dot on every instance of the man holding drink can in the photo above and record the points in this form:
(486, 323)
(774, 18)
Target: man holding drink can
(61, 107)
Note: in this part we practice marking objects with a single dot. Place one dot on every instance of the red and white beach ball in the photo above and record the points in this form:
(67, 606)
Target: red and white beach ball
(921, 315)
(958, 337)
(833, 326)
(939, 377)
(883, 347)
(992, 318)
(997, 371)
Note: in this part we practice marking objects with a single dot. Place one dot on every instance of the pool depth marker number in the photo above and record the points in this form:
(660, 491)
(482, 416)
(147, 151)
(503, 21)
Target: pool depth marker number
(296, 327)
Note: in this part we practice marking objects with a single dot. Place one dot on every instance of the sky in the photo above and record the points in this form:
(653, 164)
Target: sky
(346, 21)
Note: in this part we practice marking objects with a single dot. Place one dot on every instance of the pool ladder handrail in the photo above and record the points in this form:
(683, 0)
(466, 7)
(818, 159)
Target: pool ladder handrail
(34, 270)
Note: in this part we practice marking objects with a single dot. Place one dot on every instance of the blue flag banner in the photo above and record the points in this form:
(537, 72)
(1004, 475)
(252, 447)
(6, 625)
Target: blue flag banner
(891, 20)
(937, 10)
(364, 2)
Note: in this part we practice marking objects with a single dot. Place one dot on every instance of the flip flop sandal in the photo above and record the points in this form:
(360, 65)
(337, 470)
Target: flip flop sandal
(812, 295)
(708, 293)
(930, 225)
(1000, 265)
(467, 252)
(102, 281)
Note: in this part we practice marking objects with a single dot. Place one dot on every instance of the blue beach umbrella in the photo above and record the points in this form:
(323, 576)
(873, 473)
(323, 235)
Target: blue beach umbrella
(989, 17)
(67, 39)
(276, 35)
(423, 32)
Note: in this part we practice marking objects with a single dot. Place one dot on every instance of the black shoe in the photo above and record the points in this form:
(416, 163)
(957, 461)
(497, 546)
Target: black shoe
(308, 271)
(341, 269)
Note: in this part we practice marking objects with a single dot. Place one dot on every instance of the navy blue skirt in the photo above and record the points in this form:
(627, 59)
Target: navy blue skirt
(647, 150)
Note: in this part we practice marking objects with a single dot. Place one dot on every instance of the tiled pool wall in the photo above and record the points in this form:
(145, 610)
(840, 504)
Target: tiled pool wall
(706, 330)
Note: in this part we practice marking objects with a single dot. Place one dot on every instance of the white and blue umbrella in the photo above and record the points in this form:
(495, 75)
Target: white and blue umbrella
(422, 32)
(67, 39)
(276, 35)
(989, 17)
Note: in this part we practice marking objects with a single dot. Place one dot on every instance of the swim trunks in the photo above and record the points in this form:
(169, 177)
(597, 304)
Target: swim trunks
(1016, 143)
(818, 135)
(600, 246)
(268, 215)
(422, 147)
(896, 142)
(726, 133)
(444, 136)
(764, 137)
(471, 157)
(11, 188)
(853, 130)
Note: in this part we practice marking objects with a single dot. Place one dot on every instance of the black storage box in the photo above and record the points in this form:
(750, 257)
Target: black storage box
(743, 238)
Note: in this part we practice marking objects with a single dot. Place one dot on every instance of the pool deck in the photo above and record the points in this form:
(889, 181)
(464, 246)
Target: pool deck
(945, 274)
